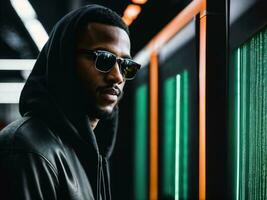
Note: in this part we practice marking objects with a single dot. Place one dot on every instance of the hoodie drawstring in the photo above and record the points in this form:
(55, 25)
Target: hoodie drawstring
(99, 169)
(106, 178)
(103, 180)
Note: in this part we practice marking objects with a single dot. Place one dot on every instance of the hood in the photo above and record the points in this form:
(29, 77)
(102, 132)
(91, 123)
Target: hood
(52, 90)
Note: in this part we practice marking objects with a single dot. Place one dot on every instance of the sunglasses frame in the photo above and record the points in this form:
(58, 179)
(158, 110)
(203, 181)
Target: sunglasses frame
(95, 54)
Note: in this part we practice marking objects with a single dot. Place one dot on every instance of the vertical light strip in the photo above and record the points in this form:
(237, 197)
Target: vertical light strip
(153, 95)
(238, 125)
(140, 169)
(177, 135)
(168, 138)
(184, 88)
(202, 109)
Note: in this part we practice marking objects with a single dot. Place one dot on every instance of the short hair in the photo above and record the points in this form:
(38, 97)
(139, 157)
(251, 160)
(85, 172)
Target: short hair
(104, 15)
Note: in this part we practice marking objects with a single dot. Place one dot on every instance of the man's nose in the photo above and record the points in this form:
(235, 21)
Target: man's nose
(114, 75)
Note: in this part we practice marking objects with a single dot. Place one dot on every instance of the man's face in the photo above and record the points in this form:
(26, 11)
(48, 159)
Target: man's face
(103, 90)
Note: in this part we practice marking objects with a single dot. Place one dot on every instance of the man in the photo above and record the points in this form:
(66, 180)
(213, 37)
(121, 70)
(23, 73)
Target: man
(60, 148)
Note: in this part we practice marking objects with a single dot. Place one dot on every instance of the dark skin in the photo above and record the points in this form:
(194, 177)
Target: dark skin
(100, 86)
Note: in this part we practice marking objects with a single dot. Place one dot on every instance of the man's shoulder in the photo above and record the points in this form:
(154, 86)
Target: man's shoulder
(7, 135)
(28, 135)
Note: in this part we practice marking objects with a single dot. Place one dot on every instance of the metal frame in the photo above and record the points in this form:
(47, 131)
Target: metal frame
(213, 28)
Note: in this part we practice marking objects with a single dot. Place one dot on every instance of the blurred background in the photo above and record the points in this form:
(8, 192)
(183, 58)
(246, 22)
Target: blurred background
(193, 124)
(26, 24)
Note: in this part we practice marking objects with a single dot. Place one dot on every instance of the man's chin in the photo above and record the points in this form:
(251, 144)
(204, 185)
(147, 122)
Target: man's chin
(102, 112)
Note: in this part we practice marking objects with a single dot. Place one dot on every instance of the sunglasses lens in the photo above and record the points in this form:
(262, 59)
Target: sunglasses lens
(129, 68)
(105, 61)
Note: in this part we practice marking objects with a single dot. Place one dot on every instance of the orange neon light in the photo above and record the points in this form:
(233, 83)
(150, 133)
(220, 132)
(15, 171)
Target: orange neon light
(139, 1)
(153, 80)
(202, 109)
(132, 11)
(127, 21)
(183, 18)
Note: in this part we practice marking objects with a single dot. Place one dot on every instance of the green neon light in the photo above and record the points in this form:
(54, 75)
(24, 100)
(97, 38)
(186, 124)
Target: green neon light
(250, 118)
(238, 125)
(168, 159)
(184, 132)
(181, 139)
(177, 138)
(141, 160)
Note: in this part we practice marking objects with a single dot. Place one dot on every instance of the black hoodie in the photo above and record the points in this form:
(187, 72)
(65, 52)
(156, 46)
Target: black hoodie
(52, 152)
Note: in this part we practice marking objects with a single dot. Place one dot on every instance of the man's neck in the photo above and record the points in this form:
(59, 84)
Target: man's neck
(93, 122)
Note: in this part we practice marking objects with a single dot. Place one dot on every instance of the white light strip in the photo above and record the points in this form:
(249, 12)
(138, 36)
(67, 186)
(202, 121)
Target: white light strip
(28, 16)
(37, 32)
(177, 134)
(17, 64)
(10, 92)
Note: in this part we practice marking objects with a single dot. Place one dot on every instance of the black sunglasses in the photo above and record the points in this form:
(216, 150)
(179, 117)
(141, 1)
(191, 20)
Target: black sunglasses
(105, 61)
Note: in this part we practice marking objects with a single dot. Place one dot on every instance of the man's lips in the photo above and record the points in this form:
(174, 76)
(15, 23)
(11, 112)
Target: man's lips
(110, 94)
(111, 91)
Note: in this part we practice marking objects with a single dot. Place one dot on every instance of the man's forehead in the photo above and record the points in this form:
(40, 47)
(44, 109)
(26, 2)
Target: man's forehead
(105, 31)
(97, 35)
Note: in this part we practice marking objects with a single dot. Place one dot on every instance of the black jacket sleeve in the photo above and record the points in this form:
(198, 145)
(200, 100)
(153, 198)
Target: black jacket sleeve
(27, 176)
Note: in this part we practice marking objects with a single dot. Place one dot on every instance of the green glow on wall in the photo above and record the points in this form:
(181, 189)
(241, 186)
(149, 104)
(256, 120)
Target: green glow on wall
(238, 125)
(140, 157)
(175, 137)
(168, 178)
(250, 111)
(184, 135)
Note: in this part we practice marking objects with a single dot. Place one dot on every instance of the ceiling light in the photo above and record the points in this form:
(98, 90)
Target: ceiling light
(139, 1)
(127, 21)
(10, 92)
(24, 9)
(16, 64)
(29, 18)
(132, 11)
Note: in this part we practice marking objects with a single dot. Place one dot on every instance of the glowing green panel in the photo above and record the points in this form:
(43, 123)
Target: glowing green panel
(169, 94)
(175, 137)
(183, 147)
(250, 121)
(141, 158)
